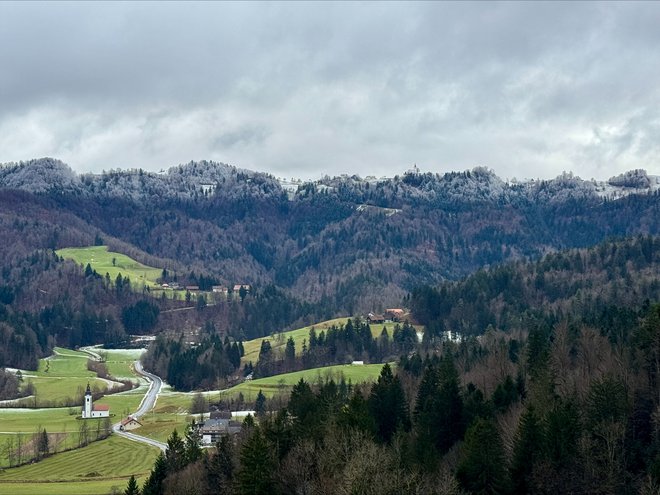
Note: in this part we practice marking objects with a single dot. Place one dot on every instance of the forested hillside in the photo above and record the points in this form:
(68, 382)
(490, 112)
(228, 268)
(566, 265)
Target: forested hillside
(337, 246)
(549, 385)
(353, 244)
(560, 408)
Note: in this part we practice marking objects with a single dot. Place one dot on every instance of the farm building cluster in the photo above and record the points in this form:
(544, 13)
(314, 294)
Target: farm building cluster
(390, 315)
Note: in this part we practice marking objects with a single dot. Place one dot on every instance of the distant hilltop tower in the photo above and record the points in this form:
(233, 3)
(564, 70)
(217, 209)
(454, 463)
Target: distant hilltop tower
(412, 171)
(90, 410)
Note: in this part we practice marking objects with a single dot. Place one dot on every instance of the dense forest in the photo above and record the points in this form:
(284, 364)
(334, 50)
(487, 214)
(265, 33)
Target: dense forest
(563, 408)
(603, 287)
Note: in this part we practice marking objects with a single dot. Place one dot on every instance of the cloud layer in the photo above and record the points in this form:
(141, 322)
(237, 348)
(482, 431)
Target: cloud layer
(528, 89)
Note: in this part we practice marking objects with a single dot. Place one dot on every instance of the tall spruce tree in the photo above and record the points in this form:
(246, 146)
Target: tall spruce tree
(527, 450)
(438, 411)
(388, 406)
(257, 473)
(154, 483)
(132, 488)
(482, 468)
(175, 454)
(220, 467)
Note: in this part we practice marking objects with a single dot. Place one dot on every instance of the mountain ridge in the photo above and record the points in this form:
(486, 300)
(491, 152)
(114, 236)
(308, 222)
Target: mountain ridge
(357, 244)
(190, 179)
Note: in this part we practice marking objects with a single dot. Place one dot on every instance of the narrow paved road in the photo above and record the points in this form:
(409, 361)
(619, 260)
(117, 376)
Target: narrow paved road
(146, 405)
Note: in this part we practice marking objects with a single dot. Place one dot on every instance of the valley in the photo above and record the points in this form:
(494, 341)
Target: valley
(106, 464)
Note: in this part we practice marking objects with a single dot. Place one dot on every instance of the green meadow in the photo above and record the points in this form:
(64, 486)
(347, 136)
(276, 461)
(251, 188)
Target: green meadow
(120, 361)
(283, 383)
(104, 261)
(91, 470)
(278, 340)
(61, 376)
(60, 379)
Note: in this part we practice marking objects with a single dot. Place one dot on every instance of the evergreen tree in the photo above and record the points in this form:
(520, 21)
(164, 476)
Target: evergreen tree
(562, 430)
(220, 466)
(264, 365)
(154, 483)
(482, 467)
(388, 406)
(290, 354)
(438, 411)
(258, 465)
(175, 454)
(304, 406)
(43, 444)
(527, 450)
(260, 404)
(356, 415)
(132, 488)
(193, 449)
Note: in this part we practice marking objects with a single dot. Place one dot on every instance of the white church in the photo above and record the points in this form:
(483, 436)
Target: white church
(90, 410)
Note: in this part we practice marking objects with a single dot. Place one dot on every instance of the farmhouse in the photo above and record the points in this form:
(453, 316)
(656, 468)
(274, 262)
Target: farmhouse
(90, 410)
(213, 429)
(192, 288)
(394, 314)
(220, 289)
(373, 318)
(129, 423)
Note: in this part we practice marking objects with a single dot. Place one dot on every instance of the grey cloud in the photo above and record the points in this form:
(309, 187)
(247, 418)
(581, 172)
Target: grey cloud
(312, 88)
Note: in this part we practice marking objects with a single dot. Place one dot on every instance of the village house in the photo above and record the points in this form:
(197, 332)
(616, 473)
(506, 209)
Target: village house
(220, 289)
(90, 410)
(129, 423)
(394, 314)
(374, 318)
(212, 430)
(192, 288)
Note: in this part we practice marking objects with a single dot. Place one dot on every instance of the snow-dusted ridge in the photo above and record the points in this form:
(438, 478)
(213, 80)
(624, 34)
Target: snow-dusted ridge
(201, 179)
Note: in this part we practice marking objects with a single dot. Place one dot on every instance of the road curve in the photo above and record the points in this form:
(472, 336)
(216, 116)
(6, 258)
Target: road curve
(148, 402)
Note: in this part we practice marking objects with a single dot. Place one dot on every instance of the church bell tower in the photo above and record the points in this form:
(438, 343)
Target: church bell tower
(87, 408)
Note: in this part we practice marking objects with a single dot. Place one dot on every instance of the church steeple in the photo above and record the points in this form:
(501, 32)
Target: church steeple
(88, 391)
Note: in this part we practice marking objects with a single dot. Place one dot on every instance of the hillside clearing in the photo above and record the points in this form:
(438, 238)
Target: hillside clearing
(278, 340)
(283, 383)
(104, 261)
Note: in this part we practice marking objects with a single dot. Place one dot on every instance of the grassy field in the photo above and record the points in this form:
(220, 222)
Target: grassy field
(273, 384)
(278, 340)
(60, 379)
(92, 470)
(87, 487)
(101, 260)
(120, 361)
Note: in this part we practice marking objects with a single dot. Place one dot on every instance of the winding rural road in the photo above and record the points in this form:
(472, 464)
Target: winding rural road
(146, 405)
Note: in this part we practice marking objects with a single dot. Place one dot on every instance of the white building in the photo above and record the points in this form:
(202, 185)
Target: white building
(90, 410)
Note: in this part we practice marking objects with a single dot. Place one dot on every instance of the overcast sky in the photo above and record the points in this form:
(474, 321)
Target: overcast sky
(303, 89)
